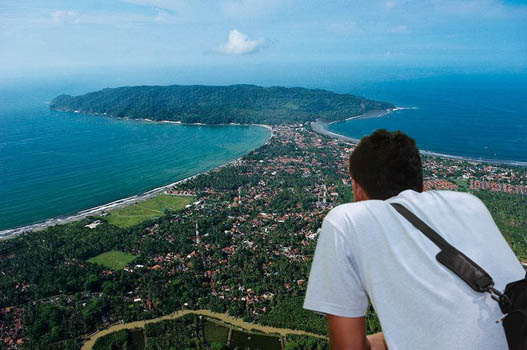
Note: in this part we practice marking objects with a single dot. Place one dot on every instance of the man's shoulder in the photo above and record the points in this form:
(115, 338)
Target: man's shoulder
(455, 195)
(364, 210)
(442, 206)
(353, 211)
(452, 197)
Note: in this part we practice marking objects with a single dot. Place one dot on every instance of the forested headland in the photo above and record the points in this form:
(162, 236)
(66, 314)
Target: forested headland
(244, 104)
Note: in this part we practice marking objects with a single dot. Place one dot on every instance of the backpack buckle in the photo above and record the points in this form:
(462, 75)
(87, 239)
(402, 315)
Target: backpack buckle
(501, 298)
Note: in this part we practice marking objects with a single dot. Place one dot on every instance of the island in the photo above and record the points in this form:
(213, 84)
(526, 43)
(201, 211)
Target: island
(241, 104)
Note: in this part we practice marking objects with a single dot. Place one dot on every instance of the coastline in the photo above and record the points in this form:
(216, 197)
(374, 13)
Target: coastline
(319, 126)
(119, 203)
(322, 127)
(268, 127)
(148, 120)
(127, 201)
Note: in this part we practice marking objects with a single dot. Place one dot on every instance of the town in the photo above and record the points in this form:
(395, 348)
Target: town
(243, 246)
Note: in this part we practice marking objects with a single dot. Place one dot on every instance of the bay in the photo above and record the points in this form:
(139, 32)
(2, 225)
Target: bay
(481, 117)
(55, 164)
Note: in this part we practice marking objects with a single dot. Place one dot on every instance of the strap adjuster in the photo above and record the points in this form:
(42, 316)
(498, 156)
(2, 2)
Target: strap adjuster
(501, 298)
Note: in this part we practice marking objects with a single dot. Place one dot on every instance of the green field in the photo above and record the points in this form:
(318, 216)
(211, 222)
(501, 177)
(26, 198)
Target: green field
(113, 259)
(145, 210)
(215, 333)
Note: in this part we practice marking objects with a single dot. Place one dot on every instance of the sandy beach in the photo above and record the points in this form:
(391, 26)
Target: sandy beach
(9, 233)
(321, 127)
(120, 203)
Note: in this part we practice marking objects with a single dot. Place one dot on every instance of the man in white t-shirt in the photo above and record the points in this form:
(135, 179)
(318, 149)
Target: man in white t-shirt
(367, 250)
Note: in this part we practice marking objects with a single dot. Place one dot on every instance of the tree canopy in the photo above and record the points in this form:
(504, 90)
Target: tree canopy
(245, 104)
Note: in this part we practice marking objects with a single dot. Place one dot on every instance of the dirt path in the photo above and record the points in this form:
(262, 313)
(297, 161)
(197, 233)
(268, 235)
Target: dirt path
(222, 317)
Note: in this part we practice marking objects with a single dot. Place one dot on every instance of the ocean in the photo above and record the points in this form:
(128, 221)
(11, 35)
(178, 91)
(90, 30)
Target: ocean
(482, 117)
(56, 164)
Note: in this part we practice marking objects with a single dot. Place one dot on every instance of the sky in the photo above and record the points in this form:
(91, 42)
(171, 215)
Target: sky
(238, 35)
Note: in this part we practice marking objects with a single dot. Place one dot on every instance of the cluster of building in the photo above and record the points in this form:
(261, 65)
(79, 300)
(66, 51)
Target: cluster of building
(318, 163)
(439, 184)
(11, 328)
(294, 181)
(259, 215)
(476, 173)
(176, 192)
(498, 187)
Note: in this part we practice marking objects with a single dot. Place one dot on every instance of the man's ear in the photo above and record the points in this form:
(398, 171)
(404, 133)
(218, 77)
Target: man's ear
(358, 192)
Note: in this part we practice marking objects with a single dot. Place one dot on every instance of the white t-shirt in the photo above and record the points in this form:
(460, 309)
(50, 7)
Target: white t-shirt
(367, 249)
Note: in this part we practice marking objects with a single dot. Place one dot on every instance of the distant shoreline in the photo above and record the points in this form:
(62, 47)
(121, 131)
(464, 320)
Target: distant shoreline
(319, 126)
(123, 202)
(322, 127)
(163, 121)
(120, 203)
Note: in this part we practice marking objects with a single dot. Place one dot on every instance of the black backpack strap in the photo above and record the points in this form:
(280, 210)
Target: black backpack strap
(470, 272)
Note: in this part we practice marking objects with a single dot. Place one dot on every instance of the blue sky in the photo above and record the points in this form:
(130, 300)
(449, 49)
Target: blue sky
(81, 34)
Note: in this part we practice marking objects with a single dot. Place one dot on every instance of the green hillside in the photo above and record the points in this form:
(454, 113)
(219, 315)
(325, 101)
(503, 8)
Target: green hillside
(244, 104)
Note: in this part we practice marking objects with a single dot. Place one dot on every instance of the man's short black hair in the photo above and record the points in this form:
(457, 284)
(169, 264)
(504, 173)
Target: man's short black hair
(386, 163)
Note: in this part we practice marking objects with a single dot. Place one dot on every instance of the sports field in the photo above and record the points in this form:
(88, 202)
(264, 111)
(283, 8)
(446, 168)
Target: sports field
(114, 259)
(145, 210)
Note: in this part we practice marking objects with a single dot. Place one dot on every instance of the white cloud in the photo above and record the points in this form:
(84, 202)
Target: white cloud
(181, 6)
(344, 27)
(390, 4)
(197, 10)
(162, 16)
(239, 44)
(479, 8)
(122, 18)
(249, 8)
(63, 15)
(399, 29)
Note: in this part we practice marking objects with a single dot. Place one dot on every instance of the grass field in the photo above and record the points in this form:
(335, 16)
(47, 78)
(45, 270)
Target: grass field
(145, 210)
(113, 259)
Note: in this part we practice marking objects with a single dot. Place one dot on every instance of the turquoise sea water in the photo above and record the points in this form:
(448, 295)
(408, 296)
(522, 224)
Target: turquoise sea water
(474, 116)
(55, 164)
